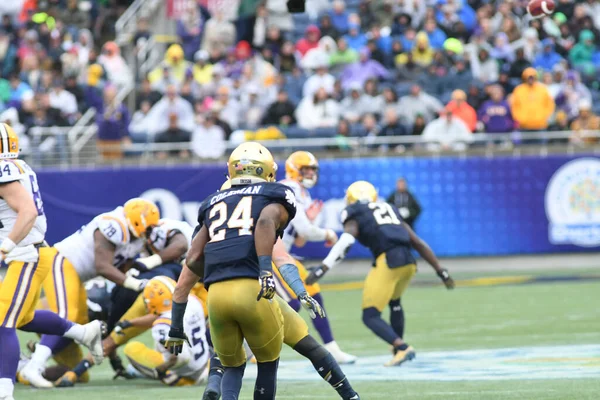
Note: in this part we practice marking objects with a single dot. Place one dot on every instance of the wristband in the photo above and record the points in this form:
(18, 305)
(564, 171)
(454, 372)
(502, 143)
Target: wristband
(132, 283)
(265, 263)
(7, 246)
(290, 275)
(177, 313)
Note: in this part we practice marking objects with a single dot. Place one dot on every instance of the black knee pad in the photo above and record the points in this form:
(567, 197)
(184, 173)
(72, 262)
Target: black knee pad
(311, 349)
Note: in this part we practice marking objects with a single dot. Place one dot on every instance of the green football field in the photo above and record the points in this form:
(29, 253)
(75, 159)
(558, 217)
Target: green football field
(536, 337)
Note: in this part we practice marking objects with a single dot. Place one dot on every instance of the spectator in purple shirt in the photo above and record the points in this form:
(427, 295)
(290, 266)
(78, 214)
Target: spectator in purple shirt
(364, 69)
(113, 125)
(494, 115)
(339, 16)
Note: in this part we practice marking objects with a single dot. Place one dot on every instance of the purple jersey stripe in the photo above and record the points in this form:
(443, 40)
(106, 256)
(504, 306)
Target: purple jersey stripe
(15, 295)
(64, 287)
(31, 275)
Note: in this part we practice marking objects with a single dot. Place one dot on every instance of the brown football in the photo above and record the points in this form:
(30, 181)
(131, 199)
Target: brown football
(539, 8)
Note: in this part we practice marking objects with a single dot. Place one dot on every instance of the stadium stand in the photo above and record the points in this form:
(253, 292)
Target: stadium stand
(370, 73)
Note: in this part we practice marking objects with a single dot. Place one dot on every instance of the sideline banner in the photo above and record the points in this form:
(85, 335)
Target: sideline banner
(471, 206)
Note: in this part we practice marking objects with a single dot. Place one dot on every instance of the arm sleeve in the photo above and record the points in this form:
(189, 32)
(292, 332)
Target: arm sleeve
(307, 229)
(339, 250)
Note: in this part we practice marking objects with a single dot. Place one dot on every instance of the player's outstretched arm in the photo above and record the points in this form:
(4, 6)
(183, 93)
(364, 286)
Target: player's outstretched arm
(337, 252)
(145, 321)
(425, 251)
(272, 217)
(175, 249)
(19, 199)
(104, 252)
(311, 232)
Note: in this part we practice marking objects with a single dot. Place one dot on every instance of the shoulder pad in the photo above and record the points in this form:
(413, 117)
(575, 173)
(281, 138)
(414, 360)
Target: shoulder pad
(283, 195)
(11, 170)
(350, 212)
(113, 229)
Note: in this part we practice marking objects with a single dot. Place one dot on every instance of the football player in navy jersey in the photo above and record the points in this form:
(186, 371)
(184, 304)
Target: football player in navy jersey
(232, 250)
(379, 227)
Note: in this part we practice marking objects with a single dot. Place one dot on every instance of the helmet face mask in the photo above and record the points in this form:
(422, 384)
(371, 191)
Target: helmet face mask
(302, 167)
(361, 191)
(310, 176)
(251, 163)
(141, 215)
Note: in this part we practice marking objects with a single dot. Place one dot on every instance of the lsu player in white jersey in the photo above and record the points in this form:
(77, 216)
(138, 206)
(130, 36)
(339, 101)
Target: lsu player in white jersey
(29, 260)
(301, 174)
(99, 248)
(181, 370)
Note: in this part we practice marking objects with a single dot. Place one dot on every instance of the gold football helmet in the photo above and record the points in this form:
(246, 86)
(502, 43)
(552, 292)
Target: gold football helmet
(361, 191)
(296, 166)
(158, 294)
(226, 185)
(251, 162)
(141, 214)
(9, 142)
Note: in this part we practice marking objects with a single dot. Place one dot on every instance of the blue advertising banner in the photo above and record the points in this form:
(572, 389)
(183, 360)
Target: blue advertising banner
(471, 206)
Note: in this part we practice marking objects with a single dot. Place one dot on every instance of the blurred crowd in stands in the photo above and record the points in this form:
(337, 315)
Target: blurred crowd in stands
(247, 69)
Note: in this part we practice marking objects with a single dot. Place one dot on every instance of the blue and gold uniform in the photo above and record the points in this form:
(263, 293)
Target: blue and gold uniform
(232, 271)
(381, 231)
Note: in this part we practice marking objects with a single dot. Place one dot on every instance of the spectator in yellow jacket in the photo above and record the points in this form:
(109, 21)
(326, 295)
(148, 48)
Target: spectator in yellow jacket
(531, 103)
(171, 71)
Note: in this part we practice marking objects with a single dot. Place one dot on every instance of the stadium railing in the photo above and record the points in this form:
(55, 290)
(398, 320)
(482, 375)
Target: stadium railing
(84, 152)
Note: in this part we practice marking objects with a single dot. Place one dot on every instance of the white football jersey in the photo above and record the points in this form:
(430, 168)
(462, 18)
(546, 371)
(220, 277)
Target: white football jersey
(19, 171)
(164, 231)
(303, 201)
(79, 247)
(192, 361)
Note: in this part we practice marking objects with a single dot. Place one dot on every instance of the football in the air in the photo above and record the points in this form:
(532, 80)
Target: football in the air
(539, 8)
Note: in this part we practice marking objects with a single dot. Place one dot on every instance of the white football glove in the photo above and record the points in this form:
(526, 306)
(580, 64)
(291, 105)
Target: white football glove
(150, 262)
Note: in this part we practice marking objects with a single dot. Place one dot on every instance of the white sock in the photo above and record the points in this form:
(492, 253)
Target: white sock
(76, 332)
(6, 387)
(41, 355)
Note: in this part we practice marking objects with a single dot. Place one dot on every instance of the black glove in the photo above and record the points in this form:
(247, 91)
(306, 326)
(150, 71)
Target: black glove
(117, 365)
(267, 285)
(121, 326)
(296, 6)
(446, 278)
(315, 274)
(175, 341)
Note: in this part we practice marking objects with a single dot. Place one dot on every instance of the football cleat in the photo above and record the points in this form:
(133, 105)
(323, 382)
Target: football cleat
(32, 373)
(338, 354)
(401, 357)
(67, 380)
(92, 339)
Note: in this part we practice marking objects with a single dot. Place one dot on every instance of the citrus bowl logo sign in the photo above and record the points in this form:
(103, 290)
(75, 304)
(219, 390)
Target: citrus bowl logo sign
(171, 207)
(573, 203)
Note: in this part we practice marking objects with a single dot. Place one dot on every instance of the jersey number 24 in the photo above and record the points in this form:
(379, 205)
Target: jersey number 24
(241, 218)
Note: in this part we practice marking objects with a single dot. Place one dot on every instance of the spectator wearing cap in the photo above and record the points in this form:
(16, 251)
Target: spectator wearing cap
(447, 133)
(582, 53)
(117, 71)
(310, 41)
(355, 39)
(219, 34)
(113, 125)
(436, 36)
(202, 70)
(459, 107)
(280, 112)
(173, 134)
(343, 55)
(208, 139)
(170, 103)
(327, 28)
(171, 70)
(189, 29)
(339, 16)
(8, 54)
(422, 53)
(585, 122)
(321, 79)
(419, 103)
(401, 23)
(531, 103)
(64, 101)
(495, 114)
(483, 67)
(365, 69)
(548, 58)
(354, 106)
(318, 111)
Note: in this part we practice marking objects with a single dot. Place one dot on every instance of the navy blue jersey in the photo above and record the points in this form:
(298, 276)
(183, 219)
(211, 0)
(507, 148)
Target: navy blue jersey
(381, 231)
(230, 217)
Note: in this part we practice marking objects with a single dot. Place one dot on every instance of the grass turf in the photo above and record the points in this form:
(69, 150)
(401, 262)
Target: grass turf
(556, 313)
